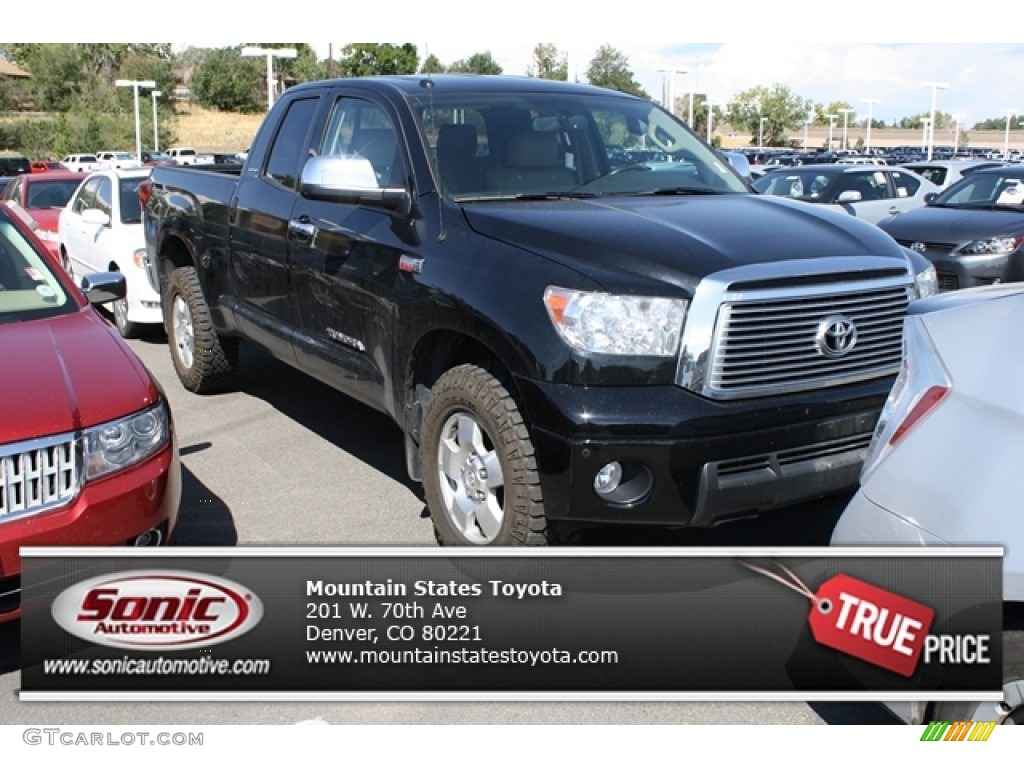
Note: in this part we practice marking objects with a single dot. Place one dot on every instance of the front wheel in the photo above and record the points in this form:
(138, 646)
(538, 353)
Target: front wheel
(204, 361)
(479, 471)
(125, 327)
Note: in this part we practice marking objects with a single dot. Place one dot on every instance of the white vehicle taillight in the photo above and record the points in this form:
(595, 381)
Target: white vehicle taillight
(922, 384)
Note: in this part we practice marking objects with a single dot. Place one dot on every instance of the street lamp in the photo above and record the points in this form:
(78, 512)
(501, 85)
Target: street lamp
(926, 123)
(957, 122)
(135, 85)
(156, 135)
(760, 134)
(696, 78)
(831, 123)
(668, 87)
(936, 87)
(711, 113)
(870, 103)
(1010, 114)
(846, 117)
(270, 53)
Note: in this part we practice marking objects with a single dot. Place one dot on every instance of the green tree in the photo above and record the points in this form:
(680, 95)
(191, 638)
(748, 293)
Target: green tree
(363, 59)
(478, 63)
(226, 80)
(549, 63)
(610, 69)
(780, 108)
(432, 65)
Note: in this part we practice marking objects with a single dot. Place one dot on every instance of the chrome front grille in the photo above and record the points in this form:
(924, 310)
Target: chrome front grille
(772, 345)
(38, 475)
(794, 326)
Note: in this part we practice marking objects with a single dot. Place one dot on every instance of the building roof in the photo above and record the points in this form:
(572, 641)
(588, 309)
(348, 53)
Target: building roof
(10, 69)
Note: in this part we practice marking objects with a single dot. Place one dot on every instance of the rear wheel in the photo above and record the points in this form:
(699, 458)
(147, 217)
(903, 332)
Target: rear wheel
(479, 471)
(204, 361)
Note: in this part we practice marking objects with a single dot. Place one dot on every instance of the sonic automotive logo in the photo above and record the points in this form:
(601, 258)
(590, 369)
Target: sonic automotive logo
(157, 610)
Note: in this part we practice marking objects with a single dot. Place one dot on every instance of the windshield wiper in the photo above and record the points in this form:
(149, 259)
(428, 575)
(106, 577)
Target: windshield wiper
(677, 191)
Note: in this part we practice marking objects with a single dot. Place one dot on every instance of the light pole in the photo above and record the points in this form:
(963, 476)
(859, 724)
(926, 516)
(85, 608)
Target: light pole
(936, 87)
(156, 135)
(926, 122)
(668, 87)
(831, 123)
(846, 118)
(270, 53)
(760, 134)
(1010, 114)
(696, 78)
(870, 103)
(711, 113)
(957, 122)
(135, 85)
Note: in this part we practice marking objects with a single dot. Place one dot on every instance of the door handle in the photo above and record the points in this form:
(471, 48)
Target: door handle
(302, 228)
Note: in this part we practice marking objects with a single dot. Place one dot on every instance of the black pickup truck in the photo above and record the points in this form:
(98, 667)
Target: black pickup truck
(565, 333)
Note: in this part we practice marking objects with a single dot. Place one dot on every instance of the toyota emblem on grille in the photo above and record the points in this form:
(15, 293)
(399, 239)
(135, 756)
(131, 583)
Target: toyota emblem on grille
(836, 336)
(918, 247)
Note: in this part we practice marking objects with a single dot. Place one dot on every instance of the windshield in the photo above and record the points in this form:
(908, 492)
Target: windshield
(524, 145)
(131, 207)
(28, 288)
(800, 184)
(50, 193)
(986, 189)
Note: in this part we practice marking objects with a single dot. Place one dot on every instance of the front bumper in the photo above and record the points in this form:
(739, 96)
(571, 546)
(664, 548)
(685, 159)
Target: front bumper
(694, 461)
(111, 511)
(959, 271)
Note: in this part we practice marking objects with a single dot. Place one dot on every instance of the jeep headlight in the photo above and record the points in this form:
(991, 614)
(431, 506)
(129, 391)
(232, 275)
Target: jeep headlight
(602, 323)
(118, 444)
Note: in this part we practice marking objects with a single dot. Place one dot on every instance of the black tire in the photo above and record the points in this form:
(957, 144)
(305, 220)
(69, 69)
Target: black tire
(204, 361)
(125, 327)
(1008, 712)
(472, 427)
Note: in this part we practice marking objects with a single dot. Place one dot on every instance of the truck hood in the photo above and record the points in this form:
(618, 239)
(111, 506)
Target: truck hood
(678, 239)
(66, 373)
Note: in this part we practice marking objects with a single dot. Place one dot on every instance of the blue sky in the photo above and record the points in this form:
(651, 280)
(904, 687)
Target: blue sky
(870, 49)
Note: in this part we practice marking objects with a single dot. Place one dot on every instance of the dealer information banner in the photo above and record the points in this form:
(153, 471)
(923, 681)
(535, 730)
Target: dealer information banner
(349, 624)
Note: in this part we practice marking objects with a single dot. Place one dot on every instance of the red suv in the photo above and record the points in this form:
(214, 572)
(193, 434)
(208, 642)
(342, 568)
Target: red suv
(88, 454)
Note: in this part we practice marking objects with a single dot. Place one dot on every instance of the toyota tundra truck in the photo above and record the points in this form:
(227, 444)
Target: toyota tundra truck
(574, 309)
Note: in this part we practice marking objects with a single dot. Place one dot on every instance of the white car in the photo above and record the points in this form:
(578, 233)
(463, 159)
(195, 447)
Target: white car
(82, 163)
(943, 467)
(947, 172)
(101, 230)
(869, 192)
(113, 159)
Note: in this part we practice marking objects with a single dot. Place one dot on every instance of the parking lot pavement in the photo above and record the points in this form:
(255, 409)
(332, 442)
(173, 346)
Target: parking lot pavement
(285, 460)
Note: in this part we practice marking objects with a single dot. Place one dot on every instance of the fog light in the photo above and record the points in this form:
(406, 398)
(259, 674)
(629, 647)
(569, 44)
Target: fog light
(608, 478)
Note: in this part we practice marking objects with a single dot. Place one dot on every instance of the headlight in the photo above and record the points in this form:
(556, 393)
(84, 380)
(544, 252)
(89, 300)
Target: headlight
(48, 235)
(926, 282)
(601, 323)
(995, 246)
(119, 444)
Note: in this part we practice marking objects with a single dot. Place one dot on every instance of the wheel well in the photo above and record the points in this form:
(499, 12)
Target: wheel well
(435, 354)
(173, 254)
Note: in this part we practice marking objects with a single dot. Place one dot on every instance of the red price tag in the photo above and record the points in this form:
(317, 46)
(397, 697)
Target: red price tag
(862, 620)
(870, 623)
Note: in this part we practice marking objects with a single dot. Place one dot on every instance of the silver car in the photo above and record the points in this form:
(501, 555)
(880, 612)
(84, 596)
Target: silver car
(944, 465)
